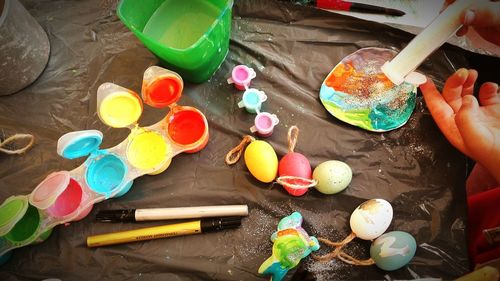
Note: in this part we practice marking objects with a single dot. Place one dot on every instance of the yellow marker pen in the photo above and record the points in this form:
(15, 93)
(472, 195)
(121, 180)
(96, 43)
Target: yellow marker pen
(163, 231)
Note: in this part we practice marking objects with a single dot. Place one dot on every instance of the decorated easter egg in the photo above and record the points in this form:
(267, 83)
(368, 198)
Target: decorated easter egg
(393, 250)
(296, 165)
(371, 219)
(332, 176)
(261, 161)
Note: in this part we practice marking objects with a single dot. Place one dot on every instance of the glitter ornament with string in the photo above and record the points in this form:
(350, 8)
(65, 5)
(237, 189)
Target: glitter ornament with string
(260, 158)
(291, 244)
(294, 168)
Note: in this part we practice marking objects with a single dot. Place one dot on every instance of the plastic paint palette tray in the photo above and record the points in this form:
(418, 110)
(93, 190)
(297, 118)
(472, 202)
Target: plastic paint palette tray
(358, 93)
(70, 195)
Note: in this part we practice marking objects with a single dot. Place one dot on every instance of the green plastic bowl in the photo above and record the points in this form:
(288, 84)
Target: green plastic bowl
(190, 37)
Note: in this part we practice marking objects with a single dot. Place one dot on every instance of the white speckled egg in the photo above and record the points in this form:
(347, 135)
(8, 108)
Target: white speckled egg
(371, 219)
(393, 250)
(332, 176)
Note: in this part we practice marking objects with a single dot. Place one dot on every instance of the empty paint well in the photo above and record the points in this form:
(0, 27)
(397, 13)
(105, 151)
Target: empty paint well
(187, 127)
(147, 150)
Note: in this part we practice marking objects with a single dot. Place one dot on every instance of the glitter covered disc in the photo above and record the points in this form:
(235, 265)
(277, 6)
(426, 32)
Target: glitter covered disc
(357, 92)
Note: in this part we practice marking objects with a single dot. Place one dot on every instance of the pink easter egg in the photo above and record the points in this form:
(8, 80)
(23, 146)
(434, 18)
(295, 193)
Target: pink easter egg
(296, 165)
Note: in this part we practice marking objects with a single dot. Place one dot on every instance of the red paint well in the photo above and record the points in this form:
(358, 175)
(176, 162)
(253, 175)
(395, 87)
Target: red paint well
(186, 127)
(68, 201)
(163, 91)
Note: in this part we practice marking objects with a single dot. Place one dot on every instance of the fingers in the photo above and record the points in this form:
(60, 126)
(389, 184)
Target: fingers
(438, 107)
(488, 94)
(467, 122)
(463, 30)
(442, 114)
(455, 85)
(484, 14)
(468, 87)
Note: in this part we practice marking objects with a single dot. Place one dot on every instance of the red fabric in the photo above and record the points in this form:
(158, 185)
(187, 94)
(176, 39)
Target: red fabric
(484, 213)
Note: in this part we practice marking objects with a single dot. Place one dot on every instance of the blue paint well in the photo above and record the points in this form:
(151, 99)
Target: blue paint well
(105, 173)
(252, 99)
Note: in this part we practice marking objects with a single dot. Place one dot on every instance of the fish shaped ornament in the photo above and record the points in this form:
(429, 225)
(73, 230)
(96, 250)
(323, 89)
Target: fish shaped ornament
(291, 245)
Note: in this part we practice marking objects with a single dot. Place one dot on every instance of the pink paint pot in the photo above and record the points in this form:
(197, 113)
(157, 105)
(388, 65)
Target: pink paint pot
(60, 196)
(264, 124)
(241, 76)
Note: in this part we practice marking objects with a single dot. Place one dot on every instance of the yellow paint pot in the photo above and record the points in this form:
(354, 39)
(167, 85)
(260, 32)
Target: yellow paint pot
(148, 150)
(120, 109)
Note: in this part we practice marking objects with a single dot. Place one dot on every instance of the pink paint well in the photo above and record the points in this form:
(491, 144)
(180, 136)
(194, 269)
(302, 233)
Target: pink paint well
(264, 122)
(241, 74)
(68, 201)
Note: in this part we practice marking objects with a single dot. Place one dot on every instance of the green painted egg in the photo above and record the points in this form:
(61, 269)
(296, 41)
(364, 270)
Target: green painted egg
(393, 250)
(333, 176)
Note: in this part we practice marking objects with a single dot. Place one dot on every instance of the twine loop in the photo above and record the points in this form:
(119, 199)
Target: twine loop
(340, 254)
(14, 138)
(293, 135)
(235, 154)
(293, 182)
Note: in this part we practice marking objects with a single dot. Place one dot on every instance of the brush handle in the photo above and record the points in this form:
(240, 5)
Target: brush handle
(425, 43)
(190, 212)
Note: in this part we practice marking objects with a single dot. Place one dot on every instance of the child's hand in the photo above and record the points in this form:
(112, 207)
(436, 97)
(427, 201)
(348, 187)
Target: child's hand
(472, 128)
(484, 17)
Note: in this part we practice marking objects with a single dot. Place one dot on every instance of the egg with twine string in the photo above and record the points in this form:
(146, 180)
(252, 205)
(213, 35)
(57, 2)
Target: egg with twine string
(294, 169)
(332, 176)
(261, 161)
(260, 158)
(393, 250)
(371, 219)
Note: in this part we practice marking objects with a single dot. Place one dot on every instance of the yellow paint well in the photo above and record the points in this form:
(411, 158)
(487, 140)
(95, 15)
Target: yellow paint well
(147, 150)
(120, 109)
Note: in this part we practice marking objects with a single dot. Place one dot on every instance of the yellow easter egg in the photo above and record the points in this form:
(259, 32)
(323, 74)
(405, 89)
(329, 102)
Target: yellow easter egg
(261, 161)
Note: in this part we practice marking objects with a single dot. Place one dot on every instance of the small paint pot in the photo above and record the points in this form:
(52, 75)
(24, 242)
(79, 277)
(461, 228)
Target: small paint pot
(252, 100)
(147, 149)
(161, 87)
(241, 76)
(19, 220)
(264, 124)
(118, 107)
(187, 127)
(105, 174)
(60, 196)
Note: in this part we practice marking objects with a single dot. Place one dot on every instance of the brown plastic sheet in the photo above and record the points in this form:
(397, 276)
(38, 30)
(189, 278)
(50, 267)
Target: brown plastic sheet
(292, 48)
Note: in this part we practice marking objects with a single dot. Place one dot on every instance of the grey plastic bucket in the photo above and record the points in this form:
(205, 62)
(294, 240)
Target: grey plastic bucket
(24, 47)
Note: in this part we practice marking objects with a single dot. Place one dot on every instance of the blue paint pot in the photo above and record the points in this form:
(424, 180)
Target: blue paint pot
(252, 100)
(105, 173)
